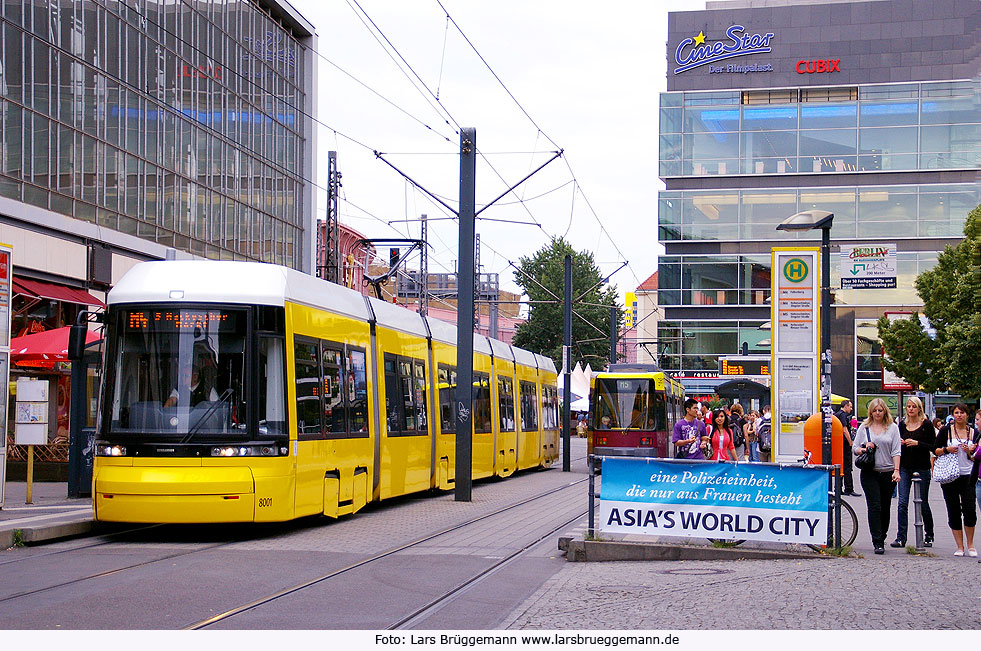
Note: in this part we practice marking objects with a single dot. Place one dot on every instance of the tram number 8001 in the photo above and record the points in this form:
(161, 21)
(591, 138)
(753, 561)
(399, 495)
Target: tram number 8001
(265, 501)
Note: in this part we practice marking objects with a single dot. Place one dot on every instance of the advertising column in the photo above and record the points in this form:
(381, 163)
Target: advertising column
(6, 273)
(794, 314)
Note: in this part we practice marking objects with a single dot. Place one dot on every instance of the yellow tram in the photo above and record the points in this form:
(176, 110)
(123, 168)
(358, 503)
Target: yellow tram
(241, 392)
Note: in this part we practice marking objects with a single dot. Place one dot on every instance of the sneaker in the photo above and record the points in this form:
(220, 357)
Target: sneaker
(928, 542)
(879, 549)
(959, 552)
(898, 543)
(972, 553)
(852, 494)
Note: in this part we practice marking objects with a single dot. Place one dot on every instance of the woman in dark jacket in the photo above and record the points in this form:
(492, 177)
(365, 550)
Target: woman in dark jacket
(918, 440)
(959, 437)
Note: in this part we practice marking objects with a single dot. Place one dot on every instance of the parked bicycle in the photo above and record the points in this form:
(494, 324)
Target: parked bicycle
(849, 520)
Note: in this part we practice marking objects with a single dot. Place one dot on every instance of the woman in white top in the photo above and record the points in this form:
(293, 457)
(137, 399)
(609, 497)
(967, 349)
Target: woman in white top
(881, 434)
(959, 437)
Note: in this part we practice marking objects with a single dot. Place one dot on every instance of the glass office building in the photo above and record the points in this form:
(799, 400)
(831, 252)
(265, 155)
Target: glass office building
(867, 109)
(178, 122)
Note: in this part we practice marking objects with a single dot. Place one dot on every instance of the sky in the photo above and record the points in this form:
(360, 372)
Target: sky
(532, 77)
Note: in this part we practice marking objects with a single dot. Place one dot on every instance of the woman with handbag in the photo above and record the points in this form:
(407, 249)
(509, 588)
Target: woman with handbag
(721, 437)
(918, 440)
(959, 440)
(878, 448)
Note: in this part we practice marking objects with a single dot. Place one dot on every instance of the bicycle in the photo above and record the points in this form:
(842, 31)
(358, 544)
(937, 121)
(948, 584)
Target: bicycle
(849, 521)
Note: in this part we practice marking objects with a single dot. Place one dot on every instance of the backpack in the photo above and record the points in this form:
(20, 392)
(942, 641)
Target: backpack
(738, 436)
(763, 431)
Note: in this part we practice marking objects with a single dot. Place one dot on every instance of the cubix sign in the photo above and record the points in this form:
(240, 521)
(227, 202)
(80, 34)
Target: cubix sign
(714, 500)
(819, 66)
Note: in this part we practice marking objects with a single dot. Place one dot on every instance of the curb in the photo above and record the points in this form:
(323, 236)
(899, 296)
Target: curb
(46, 533)
(584, 551)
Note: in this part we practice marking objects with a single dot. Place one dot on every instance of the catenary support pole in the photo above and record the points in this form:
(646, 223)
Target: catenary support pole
(464, 316)
(567, 370)
(613, 335)
(827, 412)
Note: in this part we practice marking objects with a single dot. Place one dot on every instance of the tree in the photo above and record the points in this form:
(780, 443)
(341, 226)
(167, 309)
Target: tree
(951, 294)
(542, 278)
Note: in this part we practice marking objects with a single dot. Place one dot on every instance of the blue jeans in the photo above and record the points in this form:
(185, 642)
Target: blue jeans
(977, 492)
(905, 491)
(754, 455)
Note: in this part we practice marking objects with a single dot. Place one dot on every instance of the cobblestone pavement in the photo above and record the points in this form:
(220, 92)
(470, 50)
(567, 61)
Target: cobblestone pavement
(903, 592)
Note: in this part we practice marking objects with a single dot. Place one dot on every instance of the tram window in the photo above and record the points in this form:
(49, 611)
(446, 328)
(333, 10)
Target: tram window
(334, 407)
(357, 391)
(272, 399)
(447, 389)
(393, 404)
(658, 413)
(529, 414)
(505, 403)
(408, 393)
(419, 379)
(308, 409)
(482, 403)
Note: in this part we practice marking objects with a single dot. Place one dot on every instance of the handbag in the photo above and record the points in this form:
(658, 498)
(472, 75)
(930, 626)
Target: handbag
(866, 460)
(945, 468)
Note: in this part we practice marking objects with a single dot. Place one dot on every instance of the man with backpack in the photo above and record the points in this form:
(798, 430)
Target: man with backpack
(738, 422)
(844, 414)
(763, 430)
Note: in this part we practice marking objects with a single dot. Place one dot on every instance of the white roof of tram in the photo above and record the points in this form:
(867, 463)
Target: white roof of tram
(250, 283)
(256, 283)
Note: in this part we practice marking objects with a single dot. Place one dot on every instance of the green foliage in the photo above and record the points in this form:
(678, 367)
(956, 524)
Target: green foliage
(18, 538)
(836, 551)
(542, 278)
(951, 294)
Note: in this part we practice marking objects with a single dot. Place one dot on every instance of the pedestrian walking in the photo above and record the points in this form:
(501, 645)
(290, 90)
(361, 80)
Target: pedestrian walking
(689, 436)
(752, 436)
(918, 441)
(844, 414)
(764, 431)
(959, 437)
(721, 436)
(736, 422)
(881, 434)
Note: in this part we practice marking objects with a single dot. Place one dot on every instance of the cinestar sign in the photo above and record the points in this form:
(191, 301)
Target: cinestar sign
(694, 52)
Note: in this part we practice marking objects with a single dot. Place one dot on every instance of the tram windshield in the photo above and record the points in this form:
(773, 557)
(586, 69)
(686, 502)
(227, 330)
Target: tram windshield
(178, 373)
(627, 404)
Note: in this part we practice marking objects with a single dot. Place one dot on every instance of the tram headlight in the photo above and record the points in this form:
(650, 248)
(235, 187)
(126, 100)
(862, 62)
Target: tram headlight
(248, 451)
(105, 450)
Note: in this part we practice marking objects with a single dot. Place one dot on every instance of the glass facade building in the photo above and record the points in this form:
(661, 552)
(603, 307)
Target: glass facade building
(181, 123)
(885, 133)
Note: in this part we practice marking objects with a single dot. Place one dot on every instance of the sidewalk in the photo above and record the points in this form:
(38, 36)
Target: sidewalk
(51, 515)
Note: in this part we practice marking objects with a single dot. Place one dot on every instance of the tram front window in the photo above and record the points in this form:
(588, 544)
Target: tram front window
(178, 373)
(622, 404)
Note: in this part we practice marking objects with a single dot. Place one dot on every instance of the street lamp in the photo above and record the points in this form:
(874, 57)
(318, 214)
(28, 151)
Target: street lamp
(806, 221)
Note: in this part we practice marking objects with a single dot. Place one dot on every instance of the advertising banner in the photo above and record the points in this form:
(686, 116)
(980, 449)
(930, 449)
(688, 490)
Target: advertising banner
(868, 266)
(714, 500)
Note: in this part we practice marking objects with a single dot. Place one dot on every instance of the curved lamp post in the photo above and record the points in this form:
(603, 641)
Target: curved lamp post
(806, 221)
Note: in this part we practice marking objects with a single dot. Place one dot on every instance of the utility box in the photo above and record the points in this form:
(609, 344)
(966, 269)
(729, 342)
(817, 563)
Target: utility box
(31, 415)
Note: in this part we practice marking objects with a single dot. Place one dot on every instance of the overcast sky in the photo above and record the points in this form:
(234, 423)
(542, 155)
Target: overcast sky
(585, 78)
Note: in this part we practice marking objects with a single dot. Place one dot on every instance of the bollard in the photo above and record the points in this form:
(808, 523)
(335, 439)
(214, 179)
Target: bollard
(918, 510)
(592, 497)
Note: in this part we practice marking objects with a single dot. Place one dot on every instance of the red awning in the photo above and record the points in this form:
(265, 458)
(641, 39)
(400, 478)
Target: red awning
(41, 289)
(45, 348)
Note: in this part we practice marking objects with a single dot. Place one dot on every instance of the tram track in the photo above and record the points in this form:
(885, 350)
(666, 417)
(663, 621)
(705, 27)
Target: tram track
(433, 604)
(101, 558)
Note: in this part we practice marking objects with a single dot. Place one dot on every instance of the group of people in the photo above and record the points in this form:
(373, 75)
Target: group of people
(908, 448)
(725, 434)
